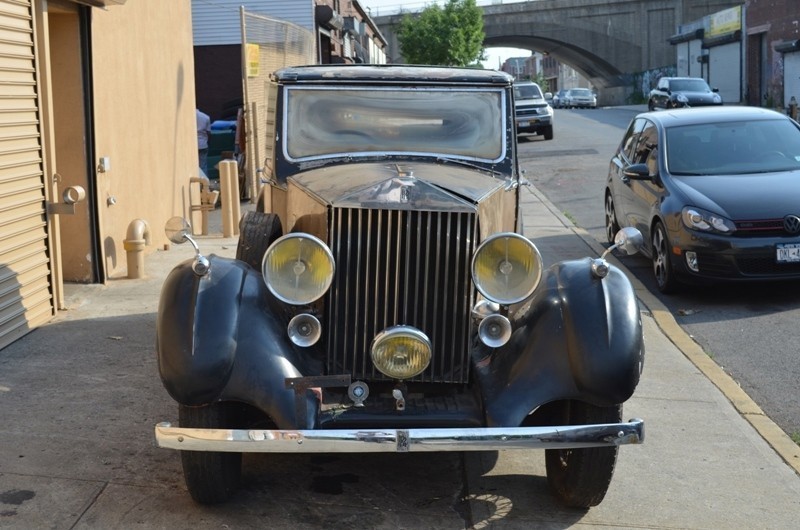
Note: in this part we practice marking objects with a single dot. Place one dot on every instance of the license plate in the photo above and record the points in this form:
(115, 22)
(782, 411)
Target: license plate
(524, 123)
(788, 253)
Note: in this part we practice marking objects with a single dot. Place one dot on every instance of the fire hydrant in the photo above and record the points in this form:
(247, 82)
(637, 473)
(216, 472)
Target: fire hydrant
(137, 238)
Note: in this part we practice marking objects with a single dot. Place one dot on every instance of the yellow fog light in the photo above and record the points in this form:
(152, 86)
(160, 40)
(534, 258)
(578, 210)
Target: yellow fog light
(506, 268)
(401, 352)
(298, 268)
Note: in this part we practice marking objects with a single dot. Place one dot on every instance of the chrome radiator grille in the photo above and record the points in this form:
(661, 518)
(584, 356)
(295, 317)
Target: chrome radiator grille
(401, 267)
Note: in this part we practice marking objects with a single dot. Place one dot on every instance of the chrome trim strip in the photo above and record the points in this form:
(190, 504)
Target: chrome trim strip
(399, 440)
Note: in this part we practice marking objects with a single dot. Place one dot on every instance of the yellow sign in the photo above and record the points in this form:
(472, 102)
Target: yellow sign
(252, 58)
(727, 21)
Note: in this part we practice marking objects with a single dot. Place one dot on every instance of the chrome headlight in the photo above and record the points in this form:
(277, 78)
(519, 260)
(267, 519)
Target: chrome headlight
(506, 268)
(699, 219)
(298, 268)
(401, 352)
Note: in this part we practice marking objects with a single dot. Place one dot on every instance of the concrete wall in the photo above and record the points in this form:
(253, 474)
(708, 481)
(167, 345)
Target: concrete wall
(144, 118)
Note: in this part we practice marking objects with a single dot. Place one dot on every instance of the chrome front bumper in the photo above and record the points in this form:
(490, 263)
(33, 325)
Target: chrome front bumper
(398, 440)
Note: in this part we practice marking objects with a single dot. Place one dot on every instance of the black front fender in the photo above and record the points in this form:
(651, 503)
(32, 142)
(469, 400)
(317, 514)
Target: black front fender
(196, 330)
(223, 336)
(579, 337)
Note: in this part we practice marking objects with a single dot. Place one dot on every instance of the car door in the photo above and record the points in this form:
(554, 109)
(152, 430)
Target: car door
(618, 182)
(645, 193)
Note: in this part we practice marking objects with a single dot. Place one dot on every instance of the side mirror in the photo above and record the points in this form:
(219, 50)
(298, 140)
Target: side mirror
(178, 230)
(629, 240)
(637, 172)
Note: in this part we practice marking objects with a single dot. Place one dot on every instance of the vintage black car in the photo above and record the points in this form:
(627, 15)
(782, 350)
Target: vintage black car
(681, 92)
(384, 299)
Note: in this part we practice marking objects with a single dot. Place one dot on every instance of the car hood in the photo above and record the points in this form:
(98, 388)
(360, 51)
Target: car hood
(744, 197)
(400, 185)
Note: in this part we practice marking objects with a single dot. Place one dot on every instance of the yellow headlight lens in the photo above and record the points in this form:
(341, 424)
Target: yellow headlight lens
(401, 352)
(506, 268)
(298, 268)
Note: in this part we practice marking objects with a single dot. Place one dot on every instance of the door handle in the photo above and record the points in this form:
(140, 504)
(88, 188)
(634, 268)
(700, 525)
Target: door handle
(70, 196)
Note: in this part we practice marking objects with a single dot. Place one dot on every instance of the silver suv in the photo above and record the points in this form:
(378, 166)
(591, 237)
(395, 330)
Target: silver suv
(531, 111)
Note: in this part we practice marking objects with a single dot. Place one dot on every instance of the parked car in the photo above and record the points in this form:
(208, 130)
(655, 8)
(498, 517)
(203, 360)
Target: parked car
(677, 92)
(582, 98)
(714, 191)
(559, 98)
(532, 113)
(389, 301)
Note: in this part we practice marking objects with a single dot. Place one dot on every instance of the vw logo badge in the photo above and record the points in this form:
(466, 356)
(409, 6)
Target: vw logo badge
(791, 223)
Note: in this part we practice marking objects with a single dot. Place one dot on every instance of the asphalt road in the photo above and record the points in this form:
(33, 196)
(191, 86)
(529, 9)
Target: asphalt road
(749, 329)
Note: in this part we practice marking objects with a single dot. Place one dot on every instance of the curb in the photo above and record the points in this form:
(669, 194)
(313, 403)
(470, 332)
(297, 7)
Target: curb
(780, 442)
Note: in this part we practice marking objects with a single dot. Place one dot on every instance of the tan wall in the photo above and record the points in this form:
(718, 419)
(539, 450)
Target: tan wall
(144, 117)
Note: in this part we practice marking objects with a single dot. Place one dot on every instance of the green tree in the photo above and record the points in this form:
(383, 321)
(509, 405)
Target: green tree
(450, 36)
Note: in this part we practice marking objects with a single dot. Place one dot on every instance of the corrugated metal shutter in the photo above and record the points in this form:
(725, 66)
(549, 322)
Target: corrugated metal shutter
(725, 71)
(217, 22)
(25, 293)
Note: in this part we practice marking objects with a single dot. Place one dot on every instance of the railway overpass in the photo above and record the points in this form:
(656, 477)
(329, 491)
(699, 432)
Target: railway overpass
(605, 40)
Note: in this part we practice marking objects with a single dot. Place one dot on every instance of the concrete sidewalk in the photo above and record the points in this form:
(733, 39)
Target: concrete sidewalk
(79, 398)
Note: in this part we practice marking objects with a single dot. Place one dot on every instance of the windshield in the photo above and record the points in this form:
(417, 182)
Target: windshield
(459, 123)
(733, 148)
(689, 85)
(527, 92)
(583, 92)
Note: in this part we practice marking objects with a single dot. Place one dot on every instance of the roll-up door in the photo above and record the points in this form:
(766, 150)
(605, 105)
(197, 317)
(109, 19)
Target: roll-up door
(725, 71)
(26, 299)
(791, 77)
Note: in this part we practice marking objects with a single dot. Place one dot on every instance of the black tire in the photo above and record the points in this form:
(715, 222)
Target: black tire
(257, 231)
(612, 226)
(211, 477)
(579, 478)
(650, 106)
(548, 133)
(662, 265)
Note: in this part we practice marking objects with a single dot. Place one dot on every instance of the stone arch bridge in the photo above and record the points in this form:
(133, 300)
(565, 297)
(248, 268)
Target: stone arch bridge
(604, 40)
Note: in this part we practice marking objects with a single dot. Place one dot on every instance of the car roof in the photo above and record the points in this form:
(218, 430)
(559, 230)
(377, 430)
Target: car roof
(697, 115)
(391, 74)
(682, 78)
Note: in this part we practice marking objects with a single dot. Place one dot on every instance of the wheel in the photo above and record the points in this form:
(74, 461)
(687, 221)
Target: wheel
(211, 477)
(662, 266)
(612, 227)
(548, 133)
(257, 231)
(579, 478)
(650, 106)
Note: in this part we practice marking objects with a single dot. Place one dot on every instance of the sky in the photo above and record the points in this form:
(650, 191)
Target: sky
(494, 56)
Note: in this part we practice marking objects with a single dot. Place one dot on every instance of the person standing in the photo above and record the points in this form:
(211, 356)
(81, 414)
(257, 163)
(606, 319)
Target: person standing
(203, 130)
